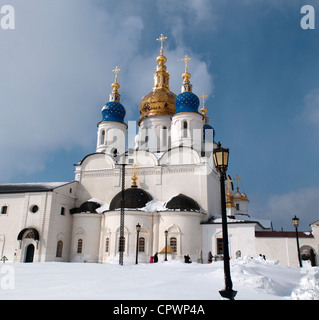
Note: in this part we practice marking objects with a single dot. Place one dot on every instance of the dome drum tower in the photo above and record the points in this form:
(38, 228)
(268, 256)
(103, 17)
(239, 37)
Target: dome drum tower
(111, 135)
(187, 122)
(156, 109)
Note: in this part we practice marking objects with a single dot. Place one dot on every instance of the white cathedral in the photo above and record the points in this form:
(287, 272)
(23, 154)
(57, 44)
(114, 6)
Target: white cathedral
(172, 191)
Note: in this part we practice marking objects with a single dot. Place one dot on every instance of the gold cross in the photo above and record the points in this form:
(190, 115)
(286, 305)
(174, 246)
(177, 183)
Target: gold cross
(116, 71)
(237, 179)
(203, 97)
(186, 60)
(162, 39)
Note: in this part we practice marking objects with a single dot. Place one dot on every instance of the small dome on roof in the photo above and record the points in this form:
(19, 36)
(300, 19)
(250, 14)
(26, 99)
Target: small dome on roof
(183, 203)
(134, 198)
(86, 207)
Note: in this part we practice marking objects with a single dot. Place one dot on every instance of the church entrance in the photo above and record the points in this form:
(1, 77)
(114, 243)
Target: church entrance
(29, 254)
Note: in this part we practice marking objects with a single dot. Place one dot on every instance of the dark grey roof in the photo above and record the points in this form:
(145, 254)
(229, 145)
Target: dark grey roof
(30, 187)
(87, 206)
(134, 198)
(183, 203)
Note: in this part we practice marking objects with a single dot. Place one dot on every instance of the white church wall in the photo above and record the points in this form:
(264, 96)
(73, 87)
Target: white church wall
(86, 227)
(11, 223)
(111, 229)
(60, 222)
(240, 237)
(284, 249)
(185, 227)
(152, 136)
(192, 136)
(27, 210)
(111, 135)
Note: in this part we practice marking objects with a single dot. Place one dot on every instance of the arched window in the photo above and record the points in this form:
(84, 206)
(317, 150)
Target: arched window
(59, 249)
(102, 137)
(164, 136)
(185, 129)
(141, 244)
(107, 244)
(173, 243)
(80, 245)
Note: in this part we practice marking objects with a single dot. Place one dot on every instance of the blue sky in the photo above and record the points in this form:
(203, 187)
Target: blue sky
(258, 67)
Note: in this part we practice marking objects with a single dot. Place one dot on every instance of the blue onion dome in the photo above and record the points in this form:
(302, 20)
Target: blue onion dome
(187, 101)
(114, 110)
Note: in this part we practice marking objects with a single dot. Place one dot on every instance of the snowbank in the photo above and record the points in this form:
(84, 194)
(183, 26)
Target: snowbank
(254, 279)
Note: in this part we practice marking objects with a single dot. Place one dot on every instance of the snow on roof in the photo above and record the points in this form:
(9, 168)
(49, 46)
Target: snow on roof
(30, 187)
(242, 218)
(103, 205)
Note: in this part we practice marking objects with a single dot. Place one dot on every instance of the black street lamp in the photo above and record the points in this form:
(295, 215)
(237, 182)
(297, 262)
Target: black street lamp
(295, 221)
(138, 229)
(166, 233)
(220, 156)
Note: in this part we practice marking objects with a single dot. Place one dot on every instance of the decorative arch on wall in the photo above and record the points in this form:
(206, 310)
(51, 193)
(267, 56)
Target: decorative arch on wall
(117, 242)
(26, 231)
(175, 235)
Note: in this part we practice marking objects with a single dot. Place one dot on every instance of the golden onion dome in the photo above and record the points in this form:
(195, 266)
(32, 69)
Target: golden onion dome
(238, 195)
(160, 101)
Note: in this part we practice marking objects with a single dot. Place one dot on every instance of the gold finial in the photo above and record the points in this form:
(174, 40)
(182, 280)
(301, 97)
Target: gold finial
(162, 39)
(237, 179)
(134, 178)
(229, 202)
(115, 96)
(186, 87)
(186, 60)
(115, 85)
(203, 110)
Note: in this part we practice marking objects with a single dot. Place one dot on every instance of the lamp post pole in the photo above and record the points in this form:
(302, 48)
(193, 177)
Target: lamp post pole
(116, 158)
(166, 233)
(122, 239)
(295, 221)
(221, 164)
(138, 229)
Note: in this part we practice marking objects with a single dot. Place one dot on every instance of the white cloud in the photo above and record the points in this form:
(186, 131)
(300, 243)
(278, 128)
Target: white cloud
(56, 74)
(311, 107)
(282, 208)
(55, 77)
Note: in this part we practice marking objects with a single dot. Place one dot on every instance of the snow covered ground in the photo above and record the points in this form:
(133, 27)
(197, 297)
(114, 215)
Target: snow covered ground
(254, 279)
